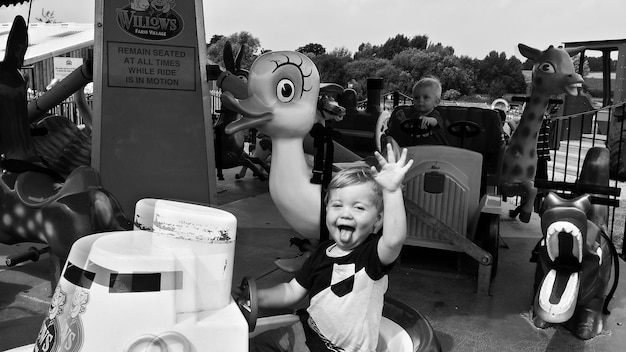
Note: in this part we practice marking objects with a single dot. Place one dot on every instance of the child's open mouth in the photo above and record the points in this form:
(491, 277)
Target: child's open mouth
(345, 232)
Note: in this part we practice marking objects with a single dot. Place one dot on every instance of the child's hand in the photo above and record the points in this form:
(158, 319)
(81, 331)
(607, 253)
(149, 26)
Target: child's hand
(391, 172)
(428, 122)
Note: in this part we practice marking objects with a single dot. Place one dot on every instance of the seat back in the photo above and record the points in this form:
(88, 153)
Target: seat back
(445, 182)
(489, 142)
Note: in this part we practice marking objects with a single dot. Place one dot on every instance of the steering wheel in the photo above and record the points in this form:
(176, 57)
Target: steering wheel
(412, 126)
(248, 303)
(462, 129)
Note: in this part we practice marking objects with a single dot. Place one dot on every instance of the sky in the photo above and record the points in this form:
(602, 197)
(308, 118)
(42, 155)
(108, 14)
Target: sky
(472, 27)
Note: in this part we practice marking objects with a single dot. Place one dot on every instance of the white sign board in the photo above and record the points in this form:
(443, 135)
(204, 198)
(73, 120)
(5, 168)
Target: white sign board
(63, 66)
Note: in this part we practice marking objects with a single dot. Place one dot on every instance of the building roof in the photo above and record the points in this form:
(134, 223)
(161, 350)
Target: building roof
(47, 40)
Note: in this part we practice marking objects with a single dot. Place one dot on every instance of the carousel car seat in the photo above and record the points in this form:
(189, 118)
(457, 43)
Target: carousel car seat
(445, 209)
(483, 134)
(489, 142)
(451, 189)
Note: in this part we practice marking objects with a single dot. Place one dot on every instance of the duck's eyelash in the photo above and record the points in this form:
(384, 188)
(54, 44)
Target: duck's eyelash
(299, 66)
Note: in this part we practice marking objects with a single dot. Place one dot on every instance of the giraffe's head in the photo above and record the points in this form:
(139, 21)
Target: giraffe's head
(553, 72)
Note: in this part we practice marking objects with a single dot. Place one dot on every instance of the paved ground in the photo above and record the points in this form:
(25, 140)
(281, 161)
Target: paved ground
(430, 281)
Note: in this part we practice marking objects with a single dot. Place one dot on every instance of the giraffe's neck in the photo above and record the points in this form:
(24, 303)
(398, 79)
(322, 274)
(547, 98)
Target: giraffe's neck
(527, 131)
(520, 157)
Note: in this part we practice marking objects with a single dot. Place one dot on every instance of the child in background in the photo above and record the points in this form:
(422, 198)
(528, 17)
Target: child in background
(426, 96)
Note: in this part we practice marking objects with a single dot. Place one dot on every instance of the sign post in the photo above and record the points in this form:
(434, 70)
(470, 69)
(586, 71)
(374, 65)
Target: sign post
(152, 129)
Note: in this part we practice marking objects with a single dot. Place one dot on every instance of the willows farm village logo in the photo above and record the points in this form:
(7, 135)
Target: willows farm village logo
(150, 19)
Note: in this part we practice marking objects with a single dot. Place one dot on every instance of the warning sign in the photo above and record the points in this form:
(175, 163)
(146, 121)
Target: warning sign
(133, 65)
(63, 66)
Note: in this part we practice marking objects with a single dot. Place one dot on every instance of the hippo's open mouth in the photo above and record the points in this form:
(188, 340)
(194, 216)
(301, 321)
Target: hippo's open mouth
(557, 295)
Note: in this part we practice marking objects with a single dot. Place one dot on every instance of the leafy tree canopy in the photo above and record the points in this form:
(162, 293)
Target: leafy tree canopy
(215, 49)
(401, 61)
(312, 48)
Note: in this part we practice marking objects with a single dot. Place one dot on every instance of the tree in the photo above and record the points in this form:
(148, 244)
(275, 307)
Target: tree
(341, 52)
(215, 38)
(596, 64)
(46, 17)
(215, 51)
(313, 48)
(332, 68)
(439, 48)
(498, 75)
(395, 79)
(393, 46)
(365, 51)
(357, 72)
(586, 69)
(419, 42)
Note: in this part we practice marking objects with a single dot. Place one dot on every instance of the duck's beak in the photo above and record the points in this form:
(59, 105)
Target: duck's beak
(253, 110)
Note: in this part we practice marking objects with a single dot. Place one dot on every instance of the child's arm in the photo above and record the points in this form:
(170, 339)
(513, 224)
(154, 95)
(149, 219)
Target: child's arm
(390, 178)
(282, 295)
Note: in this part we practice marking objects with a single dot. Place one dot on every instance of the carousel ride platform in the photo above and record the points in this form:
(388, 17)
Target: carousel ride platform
(440, 284)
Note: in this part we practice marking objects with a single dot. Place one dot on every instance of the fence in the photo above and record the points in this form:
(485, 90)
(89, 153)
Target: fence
(571, 137)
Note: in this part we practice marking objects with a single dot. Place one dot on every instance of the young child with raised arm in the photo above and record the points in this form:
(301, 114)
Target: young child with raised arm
(345, 277)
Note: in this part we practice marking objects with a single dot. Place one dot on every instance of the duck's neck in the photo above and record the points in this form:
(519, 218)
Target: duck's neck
(297, 199)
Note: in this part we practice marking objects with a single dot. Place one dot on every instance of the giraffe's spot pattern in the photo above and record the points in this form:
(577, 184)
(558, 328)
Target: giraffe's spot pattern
(49, 228)
(532, 153)
(515, 149)
(7, 220)
(530, 171)
(517, 170)
(536, 100)
(531, 116)
(30, 225)
(525, 131)
(19, 210)
(538, 81)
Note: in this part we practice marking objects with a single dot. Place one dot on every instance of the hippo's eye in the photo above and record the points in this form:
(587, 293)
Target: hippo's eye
(285, 90)
(547, 67)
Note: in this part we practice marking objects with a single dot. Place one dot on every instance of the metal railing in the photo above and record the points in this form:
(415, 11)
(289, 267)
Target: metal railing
(571, 137)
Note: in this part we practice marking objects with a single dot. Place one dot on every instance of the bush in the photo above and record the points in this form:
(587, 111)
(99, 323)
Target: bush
(451, 94)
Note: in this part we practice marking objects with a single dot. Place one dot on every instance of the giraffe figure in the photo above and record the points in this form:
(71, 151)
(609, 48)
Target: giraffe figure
(552, 74)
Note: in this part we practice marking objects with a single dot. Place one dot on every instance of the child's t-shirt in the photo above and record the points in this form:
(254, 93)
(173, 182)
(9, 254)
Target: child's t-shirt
(346, 295)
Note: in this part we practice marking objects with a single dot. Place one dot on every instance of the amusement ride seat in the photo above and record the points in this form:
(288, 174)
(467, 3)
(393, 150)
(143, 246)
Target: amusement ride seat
(447, 208)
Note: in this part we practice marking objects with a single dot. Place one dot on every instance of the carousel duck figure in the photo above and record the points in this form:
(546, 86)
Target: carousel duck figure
(280, 100)
(284, 100)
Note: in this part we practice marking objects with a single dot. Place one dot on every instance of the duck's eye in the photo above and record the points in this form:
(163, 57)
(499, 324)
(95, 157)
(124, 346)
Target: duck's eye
(285, 90)
(547, 67)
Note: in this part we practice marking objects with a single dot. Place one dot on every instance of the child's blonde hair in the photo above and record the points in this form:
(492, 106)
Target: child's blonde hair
(356, 176)
(428, 82)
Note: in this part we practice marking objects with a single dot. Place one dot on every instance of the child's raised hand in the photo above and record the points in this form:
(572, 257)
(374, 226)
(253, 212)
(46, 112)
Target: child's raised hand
(391, 172)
